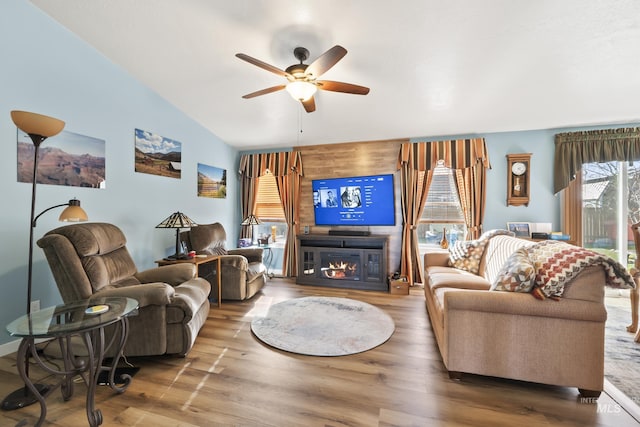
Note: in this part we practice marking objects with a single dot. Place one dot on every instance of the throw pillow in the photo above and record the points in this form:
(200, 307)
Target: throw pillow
(466, 255)
(518, 274)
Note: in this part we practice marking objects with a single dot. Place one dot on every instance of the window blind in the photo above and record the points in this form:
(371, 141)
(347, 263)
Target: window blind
(268, 205)
(443, 203)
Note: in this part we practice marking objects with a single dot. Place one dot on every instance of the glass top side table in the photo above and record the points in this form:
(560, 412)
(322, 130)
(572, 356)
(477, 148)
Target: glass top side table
(76, 317)
(86, 319)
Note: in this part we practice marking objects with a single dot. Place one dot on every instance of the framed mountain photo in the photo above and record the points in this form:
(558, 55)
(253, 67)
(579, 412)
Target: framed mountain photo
(157, 155)
(212, 182)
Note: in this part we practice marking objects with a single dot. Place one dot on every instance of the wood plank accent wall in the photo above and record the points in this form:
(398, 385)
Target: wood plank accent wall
(352, 159)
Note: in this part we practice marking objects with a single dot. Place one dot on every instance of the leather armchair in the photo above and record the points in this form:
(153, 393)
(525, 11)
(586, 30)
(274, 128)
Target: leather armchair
(90, 260)
(243, 272)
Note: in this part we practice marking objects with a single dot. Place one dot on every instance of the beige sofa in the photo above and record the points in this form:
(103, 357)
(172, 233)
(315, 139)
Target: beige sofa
(514, 335)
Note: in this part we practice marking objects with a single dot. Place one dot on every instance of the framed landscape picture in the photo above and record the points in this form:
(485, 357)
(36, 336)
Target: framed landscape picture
(65, 159)
(157, 155)
(212, 182)
(521, 229)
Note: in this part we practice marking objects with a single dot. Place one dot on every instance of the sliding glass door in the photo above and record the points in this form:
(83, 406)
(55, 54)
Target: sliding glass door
(610, 204)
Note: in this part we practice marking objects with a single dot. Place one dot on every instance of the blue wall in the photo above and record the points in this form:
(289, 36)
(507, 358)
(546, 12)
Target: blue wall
(48, 70)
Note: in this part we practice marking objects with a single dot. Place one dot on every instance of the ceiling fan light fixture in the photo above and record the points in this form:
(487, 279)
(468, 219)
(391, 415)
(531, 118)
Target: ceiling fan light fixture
(301, 90)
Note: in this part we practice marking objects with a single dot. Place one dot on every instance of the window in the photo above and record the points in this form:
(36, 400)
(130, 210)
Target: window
(268, 205)
(442, 209)
(273, 223)
(610, 204)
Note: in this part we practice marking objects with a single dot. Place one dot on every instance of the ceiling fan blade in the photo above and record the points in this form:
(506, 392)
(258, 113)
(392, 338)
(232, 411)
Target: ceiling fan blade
(264, 91)
(342, 87)
(264, 65)
(309, 105)
(326, 61)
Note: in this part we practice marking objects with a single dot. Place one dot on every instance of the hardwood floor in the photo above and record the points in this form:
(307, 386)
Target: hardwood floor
(230, 378)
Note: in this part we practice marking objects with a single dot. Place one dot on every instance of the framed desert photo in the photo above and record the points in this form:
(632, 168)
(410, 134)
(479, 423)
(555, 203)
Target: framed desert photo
(212, 182)
(521, 229)
(157, 155)
(65, 159)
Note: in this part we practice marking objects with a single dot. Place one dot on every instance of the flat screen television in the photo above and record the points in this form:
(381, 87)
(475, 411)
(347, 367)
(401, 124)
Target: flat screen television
(357, 200)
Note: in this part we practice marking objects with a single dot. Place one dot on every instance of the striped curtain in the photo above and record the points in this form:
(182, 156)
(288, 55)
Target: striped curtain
(471, 184)
(470, 159)
(289, 189)
(286, 167)
(455, 154)
(249, 193)
(413, 198)
(279, 164)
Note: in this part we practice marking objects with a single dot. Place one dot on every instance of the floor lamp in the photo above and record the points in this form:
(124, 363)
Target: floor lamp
(39, 128)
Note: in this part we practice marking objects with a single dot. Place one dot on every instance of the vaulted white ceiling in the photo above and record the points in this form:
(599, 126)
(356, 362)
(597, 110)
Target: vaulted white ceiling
(434, 67)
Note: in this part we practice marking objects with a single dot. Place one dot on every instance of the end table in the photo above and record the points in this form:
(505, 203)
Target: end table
(86, 319)
(197, 260)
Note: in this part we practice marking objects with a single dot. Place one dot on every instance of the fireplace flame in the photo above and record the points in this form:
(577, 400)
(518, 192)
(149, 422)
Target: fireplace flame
(340, 270)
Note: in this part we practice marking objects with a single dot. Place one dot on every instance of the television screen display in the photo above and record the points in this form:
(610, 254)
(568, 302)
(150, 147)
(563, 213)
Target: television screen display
(358, 200)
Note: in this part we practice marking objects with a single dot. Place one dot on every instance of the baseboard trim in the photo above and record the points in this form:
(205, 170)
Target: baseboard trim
(628, 404)
(12, 346)
(8, 348)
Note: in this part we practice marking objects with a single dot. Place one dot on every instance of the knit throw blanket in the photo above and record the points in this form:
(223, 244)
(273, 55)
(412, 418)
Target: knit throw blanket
(556, 263)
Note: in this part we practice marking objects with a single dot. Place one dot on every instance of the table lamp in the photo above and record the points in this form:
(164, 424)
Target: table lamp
(177, 220)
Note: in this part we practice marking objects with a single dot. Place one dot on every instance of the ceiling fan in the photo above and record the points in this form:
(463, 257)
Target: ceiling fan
(303, 79)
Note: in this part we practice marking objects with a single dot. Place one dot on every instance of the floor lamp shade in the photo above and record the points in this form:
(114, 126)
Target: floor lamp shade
(37, 124)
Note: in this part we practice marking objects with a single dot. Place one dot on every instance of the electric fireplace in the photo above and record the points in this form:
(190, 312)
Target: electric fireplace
(355, 262)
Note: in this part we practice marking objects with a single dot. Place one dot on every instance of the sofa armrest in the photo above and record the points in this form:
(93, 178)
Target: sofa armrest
(524, 304)
(251, 254)
(436, 257)
(146, 293)
(173, 274)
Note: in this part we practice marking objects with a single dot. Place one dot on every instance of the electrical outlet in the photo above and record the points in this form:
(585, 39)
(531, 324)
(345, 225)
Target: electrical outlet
(35, 305)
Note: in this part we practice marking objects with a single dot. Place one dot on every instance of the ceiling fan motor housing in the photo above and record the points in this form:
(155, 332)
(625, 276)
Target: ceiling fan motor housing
(301, 53)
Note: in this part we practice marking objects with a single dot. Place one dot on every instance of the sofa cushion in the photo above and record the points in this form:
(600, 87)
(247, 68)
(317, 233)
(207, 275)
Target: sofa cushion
(518, 274)
(447, 277)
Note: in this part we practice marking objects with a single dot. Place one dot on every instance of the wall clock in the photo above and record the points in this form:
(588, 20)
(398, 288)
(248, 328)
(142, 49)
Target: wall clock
(518, 182)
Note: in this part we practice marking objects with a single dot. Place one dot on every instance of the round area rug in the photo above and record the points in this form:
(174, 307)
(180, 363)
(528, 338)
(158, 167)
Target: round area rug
(323, 326)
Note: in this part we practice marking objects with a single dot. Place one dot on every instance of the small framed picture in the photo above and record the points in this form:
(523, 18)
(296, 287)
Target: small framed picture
(520, 229)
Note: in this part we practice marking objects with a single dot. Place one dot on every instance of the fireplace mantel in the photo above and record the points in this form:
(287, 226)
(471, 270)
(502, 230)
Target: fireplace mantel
(343, 261)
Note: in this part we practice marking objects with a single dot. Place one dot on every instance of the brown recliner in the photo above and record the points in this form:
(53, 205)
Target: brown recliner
(243, 272)
(90, 260)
